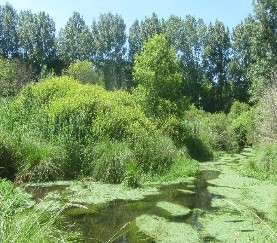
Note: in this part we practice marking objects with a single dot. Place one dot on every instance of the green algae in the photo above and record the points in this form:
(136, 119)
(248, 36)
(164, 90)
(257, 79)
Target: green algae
(99, 193)
(241, 203)
(186, 192)
(225, 206)
(233, 228)
(163, 231)
(173, 209)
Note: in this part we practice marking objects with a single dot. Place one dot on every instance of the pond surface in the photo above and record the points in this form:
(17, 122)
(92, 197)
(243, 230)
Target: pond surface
(218, 205)
(114, 221)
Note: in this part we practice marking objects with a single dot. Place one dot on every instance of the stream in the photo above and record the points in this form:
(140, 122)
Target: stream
(117, 219)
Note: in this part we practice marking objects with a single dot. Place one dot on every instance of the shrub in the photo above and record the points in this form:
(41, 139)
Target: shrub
(13, 200)
(181, 168)
(13, 76)
(132, 175)
(38, 95)
(266, 116)
(41, 161)
(214, 130)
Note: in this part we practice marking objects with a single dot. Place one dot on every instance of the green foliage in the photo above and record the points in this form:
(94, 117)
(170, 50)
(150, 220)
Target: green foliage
(74, 41)
(40, 161)
(34, 97)
(84, 72)
(13, 200)
(132, 175)
(72, 118)
(8, 156)
(19, 223)
(156, 70)
(108, 161)
(14, 74)
(186, 135)
(8, 34)
(266, 116)
(36, 34)
(8, 78)
(215, 61)
(241, 124)
(263, 164)
(109, 49)
(153, 152)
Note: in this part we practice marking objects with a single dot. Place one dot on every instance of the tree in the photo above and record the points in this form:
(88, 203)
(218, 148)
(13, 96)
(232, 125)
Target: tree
(75, 40)
(150, 26)
(84, 72)
(216, 57)
(8, 33)
(245, 50)
(187, 36)
(13, 76)
(266, 14)
(157, 72)
(109, 39)
(134, 40)
(262, 70)
(36, 39)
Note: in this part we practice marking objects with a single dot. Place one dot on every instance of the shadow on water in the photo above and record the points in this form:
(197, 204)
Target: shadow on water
(116, 220)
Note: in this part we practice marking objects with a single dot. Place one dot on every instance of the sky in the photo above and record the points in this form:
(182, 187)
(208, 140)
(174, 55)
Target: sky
(230, 12)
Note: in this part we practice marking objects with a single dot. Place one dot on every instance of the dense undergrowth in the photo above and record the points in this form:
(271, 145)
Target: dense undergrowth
(60, 128)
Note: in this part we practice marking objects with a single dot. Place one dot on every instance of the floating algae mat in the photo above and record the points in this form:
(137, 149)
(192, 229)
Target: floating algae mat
(161, 230)
(217, 205)
(173, 209)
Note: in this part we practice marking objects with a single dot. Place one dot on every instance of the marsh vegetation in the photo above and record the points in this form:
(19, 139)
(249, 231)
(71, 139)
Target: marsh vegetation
(174, 143)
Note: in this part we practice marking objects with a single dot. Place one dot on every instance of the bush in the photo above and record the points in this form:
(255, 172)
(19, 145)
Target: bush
(181, 168)
(13, 76)
(75, 117)
(266, 116)
(41, 161)
(214, 130)
(35, 96)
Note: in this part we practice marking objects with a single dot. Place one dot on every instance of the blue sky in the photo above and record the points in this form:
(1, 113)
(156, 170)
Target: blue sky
(230, 12)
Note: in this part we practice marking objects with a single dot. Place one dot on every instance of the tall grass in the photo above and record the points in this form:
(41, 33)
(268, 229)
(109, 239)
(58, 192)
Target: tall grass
(20, 223)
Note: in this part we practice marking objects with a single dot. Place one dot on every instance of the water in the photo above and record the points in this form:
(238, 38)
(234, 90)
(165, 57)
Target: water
(115, 221)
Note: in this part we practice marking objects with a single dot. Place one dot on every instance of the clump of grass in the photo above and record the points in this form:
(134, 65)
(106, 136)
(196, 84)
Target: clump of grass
(263, 164)
(19, 222)
(108, 161)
